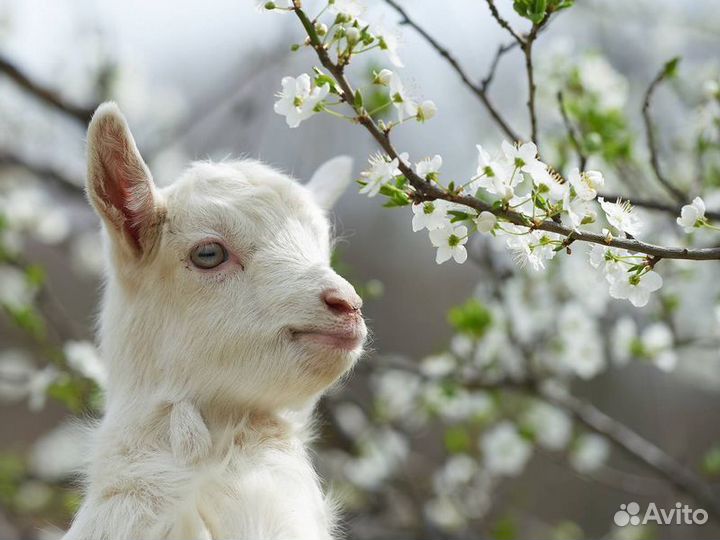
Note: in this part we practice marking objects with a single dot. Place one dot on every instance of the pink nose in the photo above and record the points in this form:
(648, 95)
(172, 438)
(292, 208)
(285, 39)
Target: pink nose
(341, 304)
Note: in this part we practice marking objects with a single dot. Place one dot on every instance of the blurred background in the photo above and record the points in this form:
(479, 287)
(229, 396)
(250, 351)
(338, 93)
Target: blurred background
(409, 454)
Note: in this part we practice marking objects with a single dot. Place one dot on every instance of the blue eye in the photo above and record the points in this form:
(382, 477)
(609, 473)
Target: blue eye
(210, 255)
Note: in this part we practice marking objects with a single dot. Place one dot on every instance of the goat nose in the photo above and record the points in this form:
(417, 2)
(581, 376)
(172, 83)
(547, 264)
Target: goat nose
(341, 304)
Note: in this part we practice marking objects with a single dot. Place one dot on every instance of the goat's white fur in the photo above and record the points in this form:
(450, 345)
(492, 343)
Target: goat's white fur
(208, 397)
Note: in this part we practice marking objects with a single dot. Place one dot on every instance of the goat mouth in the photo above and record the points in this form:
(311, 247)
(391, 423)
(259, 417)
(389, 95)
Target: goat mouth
(340, 340)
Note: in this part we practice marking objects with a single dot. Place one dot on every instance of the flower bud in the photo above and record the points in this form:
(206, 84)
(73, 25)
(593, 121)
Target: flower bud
(426, 110)
(383, 77)
(321, 28)
(485, 222)
(270, 6)
(352, 35)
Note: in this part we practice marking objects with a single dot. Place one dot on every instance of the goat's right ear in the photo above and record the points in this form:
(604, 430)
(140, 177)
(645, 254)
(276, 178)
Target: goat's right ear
(119, 184)
(330, 180)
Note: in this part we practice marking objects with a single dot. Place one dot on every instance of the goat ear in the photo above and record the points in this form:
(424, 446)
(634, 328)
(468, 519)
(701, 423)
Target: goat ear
(330, 180)
(119, 184)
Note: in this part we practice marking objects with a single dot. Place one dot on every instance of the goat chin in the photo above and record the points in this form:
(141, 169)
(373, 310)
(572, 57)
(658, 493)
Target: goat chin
(222, 323)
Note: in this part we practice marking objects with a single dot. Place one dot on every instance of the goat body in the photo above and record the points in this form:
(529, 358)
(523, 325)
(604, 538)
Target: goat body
(221, 325)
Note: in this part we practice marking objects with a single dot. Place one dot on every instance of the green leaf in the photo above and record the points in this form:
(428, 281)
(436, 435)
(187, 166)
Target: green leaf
(358, 101)
(458, 215)
(27, 319)
(457, 440)
(711, 462)
(69, 391)
(471, 318)
(671, 68)
(35, 275)
(504, 529)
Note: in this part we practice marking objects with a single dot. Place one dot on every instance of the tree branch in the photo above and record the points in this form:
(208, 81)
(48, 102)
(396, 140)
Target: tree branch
(638, 448)
(597, 421)
(478, 90)
(8, 159)
(678, 195)
(572, 134)
(45, 94)
(428, 191)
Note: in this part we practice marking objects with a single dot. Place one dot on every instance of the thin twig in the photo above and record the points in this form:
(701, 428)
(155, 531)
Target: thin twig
(428, 191)
(527, 47)
(478, 90)
(572, 134)
(501, 51)
(677, 194)
(652, 204)
(502, 22)
(45, 94)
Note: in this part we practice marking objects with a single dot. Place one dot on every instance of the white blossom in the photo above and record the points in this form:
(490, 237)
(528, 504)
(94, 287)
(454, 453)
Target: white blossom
(444, 513)
(427, 168)
(83, 356)
(404, 104)
(550, 185)
(578, 211)
(349, 8)
(389, 43)
(38, 386)
(623, 336)
(587, 184)
(582, 349)
(523, 157)
(495, 176)
(52, 226)
(505, 452)
(382, 170)
(299, 99)
(552, 426)
(430, 215)
(351, 419)
(589, 453)
(426, 110)
(692, 215)
(620, 215)
(437, 366)
(397, 390)
(462, 345)
(636, 288)
(16, 369)
(15, 292)
(657, 343)
(383, 77)
(450, 242)
(381, 455)
(455, 472)
(532, 248)
(599, 78)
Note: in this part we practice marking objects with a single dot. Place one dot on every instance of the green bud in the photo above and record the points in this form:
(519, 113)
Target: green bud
(270, 6)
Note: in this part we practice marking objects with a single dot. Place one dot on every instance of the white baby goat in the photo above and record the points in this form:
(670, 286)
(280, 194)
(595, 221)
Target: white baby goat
(222, 323)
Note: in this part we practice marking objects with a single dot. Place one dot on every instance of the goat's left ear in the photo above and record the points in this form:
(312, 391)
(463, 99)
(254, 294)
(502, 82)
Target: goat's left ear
(119, 184)
(330, 180)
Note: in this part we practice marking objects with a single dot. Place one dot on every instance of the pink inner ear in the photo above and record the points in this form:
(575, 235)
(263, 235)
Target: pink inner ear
(123, 189)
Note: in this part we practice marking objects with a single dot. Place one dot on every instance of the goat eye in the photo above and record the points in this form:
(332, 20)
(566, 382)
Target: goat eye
(208, 255)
